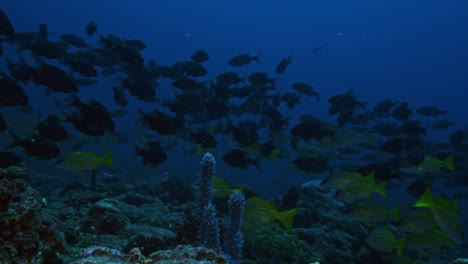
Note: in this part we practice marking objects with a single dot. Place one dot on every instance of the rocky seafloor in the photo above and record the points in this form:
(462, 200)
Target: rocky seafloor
(156, 222)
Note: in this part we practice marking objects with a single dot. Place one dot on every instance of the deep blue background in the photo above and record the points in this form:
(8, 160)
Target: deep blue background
(415, 51)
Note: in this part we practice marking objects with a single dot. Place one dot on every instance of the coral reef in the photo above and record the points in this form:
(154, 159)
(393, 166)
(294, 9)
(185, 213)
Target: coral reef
(28, 232)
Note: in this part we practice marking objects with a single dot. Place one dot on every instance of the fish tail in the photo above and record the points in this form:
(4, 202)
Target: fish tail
(381, 188)
(426, 199)
(286, 218)
(107, 159)
(399, 243)
(256, 58)
(448, 163)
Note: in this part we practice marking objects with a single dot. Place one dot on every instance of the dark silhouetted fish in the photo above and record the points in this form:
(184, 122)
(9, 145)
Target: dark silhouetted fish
(6, 28)
(283, 65)
(242, 59)
(200, 56)
(91, 29)
(92, 118)
(152, 154)
(74, 40)
(42, 149)
(237, 158)
(430, 111)
(11, 93)
(51, 129)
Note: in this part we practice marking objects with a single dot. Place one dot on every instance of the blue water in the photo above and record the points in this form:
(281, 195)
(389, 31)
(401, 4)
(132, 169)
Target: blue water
(407, 51)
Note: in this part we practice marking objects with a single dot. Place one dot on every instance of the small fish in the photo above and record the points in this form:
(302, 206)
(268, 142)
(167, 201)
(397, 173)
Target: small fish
(242, 59)
(431, 164)
(385, 240)
(200, 56)
(81, 161)
(265, 211)
(446, 213)
(427, 240)
(283, 64)
(371, 212)
(91, 29)
(221, 188)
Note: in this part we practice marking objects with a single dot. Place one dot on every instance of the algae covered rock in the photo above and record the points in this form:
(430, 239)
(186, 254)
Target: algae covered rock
(107, 217)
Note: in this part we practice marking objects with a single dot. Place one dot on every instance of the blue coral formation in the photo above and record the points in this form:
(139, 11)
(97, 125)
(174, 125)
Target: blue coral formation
(233, 240)
(208, 233)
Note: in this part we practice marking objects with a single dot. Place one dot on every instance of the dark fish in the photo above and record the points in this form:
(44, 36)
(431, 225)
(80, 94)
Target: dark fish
(442, 124)
(400, 144)
(6, 28)
(312, 128)
(430, 111)
(260, 79)
(200, 56)
(345, 103)
(1, 50)
(283, 65)
(187, 103)
(305, 89)
(119, 96)
(47, 49)
(203, 138)
(402, 111)
(8, 159)
(19, 71)
(383, 108)
(91, 29)
(317, 164)
(412, 128)
(229, 78)
(74, 40)
(92, 118)
(51, 129)
(11, 93)
(459, 140)
(291, 99)
(161, 122)
(319, 48)
(42, 149)
(152, 154)
(80, 66)
(25, 109)
(185, 83)
(237, 158)
(246, 133)
(54, 78)
(3, 124)
(189, 68)
(386, 129)
(242, 59)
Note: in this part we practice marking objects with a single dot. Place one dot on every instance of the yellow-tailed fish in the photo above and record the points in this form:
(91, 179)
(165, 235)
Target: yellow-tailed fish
(446, 214)
(82, 161)
(264, 211)
(221, 188)
(427, 240)
(417, 220)
(385, 240)
(348, 179)
(372, 212)
(431, 164)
